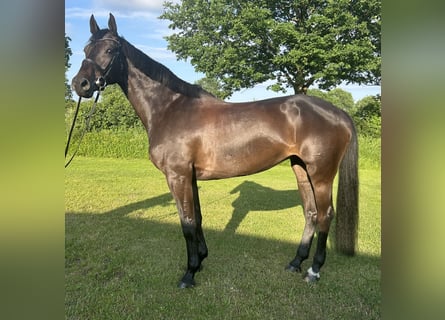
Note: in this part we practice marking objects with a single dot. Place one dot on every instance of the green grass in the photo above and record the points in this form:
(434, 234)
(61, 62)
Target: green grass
(125, 252)
(370, 152)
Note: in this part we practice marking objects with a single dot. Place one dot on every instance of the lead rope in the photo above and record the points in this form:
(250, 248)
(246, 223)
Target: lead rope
(87, 126)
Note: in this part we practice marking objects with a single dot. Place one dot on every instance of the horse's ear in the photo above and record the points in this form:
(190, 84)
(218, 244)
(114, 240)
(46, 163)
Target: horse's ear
(93, 25)
(112, 24)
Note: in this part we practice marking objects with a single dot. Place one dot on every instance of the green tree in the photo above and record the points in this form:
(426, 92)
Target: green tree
(369, 106)
(242, 43)
(211, 85)
(368, 115)
(113, 111)
(338, 97)
(68, 54)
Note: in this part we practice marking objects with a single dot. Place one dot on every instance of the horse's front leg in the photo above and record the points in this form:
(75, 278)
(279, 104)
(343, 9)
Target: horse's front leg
(185, 192)
(202, 246)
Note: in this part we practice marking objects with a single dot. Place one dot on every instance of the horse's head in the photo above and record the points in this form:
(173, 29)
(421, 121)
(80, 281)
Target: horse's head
(103, 61)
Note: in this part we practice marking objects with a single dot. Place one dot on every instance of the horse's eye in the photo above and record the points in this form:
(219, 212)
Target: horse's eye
(109, 51)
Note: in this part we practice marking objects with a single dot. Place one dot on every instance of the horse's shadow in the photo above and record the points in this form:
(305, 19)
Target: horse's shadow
(255, 197)
(162, 200)
(252, 197)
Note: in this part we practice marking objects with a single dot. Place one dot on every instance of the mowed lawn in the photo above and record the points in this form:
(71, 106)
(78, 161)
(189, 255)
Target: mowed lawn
(125, 251)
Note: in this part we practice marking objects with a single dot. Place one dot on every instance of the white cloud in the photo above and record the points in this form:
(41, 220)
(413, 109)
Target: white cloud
(68, 27)
(130, 5)
(119, 8)
(103, 13)
(77, 13)
(132, 8)
(156, 53)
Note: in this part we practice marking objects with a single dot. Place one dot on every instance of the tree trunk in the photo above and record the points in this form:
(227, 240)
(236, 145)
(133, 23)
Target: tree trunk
(300, 89)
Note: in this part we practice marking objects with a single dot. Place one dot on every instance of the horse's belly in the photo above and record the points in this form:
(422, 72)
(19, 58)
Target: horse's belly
(225, 162)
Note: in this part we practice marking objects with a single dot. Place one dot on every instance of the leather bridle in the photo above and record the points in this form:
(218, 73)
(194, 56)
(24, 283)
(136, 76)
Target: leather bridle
(101, 80)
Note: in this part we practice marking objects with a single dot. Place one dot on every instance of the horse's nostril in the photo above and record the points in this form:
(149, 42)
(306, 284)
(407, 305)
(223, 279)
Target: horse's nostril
(85, 84)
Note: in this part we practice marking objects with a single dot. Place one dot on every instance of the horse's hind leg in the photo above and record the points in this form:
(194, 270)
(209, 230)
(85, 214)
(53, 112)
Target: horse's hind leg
(310, 215)
(323, 196)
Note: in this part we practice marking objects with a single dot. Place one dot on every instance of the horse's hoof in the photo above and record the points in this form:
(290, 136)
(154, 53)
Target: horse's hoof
(292, 268)
(311, 277)
(185, 285)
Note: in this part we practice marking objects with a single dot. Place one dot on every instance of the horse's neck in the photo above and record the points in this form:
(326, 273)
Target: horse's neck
(147, 96)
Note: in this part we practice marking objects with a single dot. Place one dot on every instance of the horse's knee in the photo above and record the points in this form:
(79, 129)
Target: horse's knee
(324, 220)
(330, 213)
(312, 216)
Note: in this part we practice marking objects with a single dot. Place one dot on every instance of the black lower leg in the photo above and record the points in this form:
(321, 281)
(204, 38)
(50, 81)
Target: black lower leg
(320, 254)
(313, 274)
(193, 258)
(202, 246)
(302, 254)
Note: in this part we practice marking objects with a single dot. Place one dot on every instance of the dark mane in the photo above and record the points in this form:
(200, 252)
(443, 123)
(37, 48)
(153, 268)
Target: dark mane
(159, 72)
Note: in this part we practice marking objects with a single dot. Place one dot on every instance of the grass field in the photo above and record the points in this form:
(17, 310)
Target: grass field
(125, 251)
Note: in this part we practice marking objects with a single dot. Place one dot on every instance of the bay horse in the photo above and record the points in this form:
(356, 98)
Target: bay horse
(195, 136)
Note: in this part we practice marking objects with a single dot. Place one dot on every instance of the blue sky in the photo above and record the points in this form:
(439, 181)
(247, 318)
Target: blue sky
(137, 21)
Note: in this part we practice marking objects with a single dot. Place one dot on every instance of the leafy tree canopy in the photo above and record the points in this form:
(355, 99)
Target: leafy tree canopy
(338, 97)
(115, 111)
(368, 116)
(369, 106)
(242, 43)
(68, 54)
(212, 85)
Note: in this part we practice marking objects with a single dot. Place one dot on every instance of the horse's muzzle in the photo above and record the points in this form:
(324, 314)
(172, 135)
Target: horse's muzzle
(88, 79)
(83, 87)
